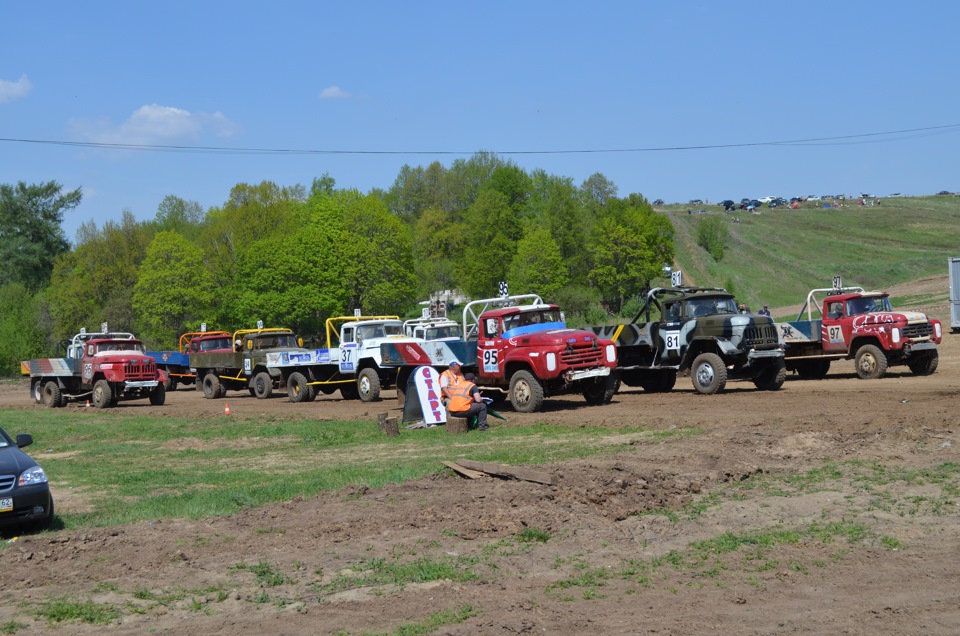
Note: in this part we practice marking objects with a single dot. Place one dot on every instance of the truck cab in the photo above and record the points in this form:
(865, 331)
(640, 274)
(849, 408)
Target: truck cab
(358, 353)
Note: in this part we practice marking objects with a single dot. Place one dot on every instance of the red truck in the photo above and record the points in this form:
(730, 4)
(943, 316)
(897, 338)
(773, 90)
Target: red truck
(853, 324)
(524, 352)
(103, 367)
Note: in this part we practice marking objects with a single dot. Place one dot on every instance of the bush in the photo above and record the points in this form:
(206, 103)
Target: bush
(712, 235)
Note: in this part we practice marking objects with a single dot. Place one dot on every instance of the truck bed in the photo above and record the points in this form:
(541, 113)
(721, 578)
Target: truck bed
(433, 354)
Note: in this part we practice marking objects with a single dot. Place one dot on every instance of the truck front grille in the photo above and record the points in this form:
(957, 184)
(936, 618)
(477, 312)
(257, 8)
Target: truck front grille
(758, 335)
(582, 356)
(918, 331)
(138, 370)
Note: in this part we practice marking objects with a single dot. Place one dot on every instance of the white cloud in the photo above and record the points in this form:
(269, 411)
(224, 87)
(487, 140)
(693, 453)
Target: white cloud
(334, 92)
(10, 91)
(155, 124)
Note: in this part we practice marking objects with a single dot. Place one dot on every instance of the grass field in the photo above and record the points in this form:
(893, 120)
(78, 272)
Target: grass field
(778, 255)
(135, 468)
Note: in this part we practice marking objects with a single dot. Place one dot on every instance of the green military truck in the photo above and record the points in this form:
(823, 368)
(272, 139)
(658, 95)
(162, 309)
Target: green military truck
(696, 330)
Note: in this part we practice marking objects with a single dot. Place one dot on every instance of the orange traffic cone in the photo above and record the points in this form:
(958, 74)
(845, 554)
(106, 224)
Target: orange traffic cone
(226, 409)
(88, 404)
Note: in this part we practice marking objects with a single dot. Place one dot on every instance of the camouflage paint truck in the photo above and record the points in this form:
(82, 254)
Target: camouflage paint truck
(852, 324)
(697, 330)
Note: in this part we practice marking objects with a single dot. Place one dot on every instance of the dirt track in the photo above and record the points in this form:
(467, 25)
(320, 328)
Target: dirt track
(598, 572)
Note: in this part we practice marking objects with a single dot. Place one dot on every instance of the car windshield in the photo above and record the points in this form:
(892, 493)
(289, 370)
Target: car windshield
(4, 442)
(696, 307)
(856, 306)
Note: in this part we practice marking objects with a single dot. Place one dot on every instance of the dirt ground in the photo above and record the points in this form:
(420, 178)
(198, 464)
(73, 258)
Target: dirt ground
(609, 565)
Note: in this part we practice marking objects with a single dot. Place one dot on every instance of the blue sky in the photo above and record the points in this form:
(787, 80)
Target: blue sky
(443, 77)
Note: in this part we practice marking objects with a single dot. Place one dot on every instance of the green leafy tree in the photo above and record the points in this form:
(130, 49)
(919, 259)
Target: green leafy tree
(713, 235)
(177, 215)
(173, 291)
(494, 230)
(21, 330)
(556, 205)
(31, 236)
(630, 246)
(439, 242)
(538, 266)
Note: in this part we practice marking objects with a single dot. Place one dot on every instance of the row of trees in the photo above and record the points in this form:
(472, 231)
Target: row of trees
(293, 257)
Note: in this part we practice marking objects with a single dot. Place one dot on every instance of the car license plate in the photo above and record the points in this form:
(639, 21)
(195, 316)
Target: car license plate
(6, 505)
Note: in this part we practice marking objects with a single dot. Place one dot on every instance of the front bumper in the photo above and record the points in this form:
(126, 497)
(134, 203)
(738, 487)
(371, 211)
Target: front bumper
(573, 376)
(30, 503)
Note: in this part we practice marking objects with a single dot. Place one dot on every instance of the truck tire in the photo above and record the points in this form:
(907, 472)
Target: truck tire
(170, 384)
(262, 385)
(708, 373)
(871, 362)
(771, 378)
(602, 390)
(368, 385)
(52, 395)
(159, 395)
(349, 391)
(925, 365)
(36, 391)
(211, 386)
(102, 394)
(659, 381)
(813, 369)
(297, 388)
(526, 392)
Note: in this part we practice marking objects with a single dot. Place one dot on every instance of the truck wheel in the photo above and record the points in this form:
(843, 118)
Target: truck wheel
(159, 395)
(771, 378)
(297, 388)
(211, 386)
(36, 391)
(813, 369)
(526, 392)
(349, 391)
(871, 362)
(659, 381)
(51, 394)
(170, 384)
(602, 390)
(925, 365)
(102, 394)
(262, 385)
(368, 385)
(708, 373)
(311, 393)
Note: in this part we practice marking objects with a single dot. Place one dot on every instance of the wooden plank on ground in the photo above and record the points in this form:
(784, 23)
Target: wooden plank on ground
(526, 474)
(466, 472)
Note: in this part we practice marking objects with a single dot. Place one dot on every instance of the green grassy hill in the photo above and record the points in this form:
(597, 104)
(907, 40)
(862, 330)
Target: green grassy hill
(778, 255)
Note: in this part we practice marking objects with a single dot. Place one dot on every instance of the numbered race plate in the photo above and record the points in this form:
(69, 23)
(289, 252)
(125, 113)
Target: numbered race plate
(6, 504)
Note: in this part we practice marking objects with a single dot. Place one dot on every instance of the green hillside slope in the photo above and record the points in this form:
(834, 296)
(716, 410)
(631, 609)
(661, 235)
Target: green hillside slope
(778, 255)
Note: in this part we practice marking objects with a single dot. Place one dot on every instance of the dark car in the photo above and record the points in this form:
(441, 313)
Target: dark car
(658, 202)
(25, 498)
(728, 205)
(696, 202)
(943, 192)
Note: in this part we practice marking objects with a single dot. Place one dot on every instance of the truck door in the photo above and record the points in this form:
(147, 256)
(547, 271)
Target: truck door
(670, 340)
(835, 329)
(491, 349)
(348, 351)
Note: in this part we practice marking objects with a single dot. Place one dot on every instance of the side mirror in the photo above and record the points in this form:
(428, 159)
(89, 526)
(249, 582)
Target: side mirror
(24, 440)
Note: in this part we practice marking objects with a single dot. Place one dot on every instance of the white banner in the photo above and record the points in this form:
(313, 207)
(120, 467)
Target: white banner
(428, 391)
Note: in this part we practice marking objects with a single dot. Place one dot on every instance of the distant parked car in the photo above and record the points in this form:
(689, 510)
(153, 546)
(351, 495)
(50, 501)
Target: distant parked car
(766, 199)
(696, 202)
(813, 197)
(827, 197)
(943, 192)
(25, 499)
(728, 205)
(658, 202)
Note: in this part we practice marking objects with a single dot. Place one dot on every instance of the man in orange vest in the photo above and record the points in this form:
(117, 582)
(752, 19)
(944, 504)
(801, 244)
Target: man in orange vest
(449, 378)
(465, 401)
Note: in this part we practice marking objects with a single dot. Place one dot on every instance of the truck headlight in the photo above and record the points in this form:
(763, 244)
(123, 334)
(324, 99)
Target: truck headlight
(611, 353)
(551, 361)
(936, 330)
(107, 366)
(896, 334)
(32, 476)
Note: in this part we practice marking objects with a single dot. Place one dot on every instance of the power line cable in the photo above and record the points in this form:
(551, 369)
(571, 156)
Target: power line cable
(874, 137)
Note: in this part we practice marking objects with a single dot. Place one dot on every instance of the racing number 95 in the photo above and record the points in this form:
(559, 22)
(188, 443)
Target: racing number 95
(490, 360)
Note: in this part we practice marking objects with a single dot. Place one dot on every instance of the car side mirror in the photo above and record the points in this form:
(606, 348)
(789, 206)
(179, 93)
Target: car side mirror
(24, 440)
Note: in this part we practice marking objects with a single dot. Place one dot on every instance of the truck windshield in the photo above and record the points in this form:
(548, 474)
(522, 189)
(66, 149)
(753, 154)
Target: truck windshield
(696, 307)
(105, 347)
(214, 343)
(856, 306)
(276, 341)
(450, 331)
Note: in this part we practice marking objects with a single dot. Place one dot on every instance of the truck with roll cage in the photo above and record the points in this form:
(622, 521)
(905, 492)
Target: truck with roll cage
(696, 330)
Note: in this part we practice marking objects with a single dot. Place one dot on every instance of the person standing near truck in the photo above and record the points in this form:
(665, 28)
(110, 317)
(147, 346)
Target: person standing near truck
(449, 379)
(465, 402)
